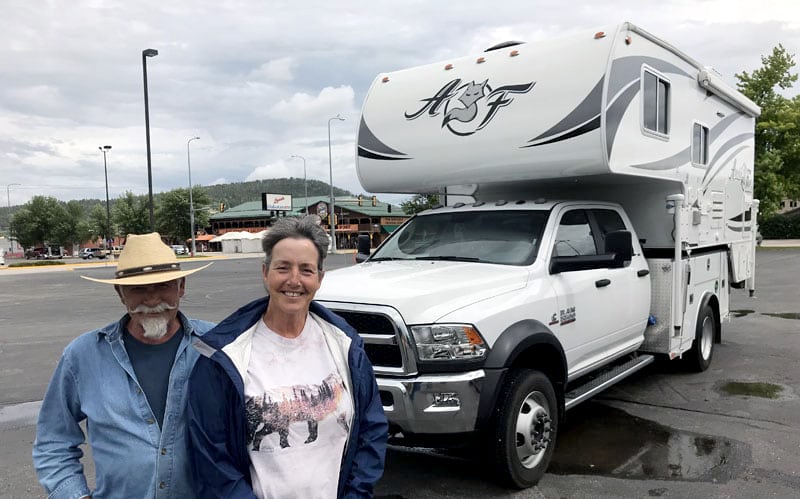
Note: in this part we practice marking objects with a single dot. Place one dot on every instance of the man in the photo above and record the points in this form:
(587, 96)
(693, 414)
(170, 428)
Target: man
(128, 381)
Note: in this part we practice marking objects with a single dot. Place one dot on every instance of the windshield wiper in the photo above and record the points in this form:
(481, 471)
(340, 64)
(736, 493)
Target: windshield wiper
(450, 258)
(385, 258)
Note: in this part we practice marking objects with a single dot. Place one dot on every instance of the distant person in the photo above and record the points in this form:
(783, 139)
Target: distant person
(128, 382)
(284, 402)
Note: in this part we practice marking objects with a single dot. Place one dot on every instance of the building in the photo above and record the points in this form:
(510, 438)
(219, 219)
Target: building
(355, 215)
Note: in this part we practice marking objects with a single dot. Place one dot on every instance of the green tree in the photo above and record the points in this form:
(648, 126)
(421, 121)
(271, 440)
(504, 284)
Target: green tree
(37, 222)
(777, 163)
(98, 223)
(71, 229)
(131, 214)
(172, 213)
(420, 202)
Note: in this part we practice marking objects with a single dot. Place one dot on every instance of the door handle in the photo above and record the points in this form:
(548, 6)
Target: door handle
(642, 273)
(602, 283)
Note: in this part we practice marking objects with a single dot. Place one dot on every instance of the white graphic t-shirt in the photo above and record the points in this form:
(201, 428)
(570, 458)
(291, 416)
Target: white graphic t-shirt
(298, 415)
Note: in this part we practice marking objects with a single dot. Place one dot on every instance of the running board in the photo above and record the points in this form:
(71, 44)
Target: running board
(605, 380)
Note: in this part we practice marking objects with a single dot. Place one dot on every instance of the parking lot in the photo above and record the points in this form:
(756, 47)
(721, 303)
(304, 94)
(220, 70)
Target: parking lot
(661, 433)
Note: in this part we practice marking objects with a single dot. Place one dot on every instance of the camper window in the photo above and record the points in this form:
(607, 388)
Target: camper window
(699, 144)
(655, 97)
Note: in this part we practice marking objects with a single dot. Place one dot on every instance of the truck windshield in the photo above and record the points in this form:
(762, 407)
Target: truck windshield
(503, 237)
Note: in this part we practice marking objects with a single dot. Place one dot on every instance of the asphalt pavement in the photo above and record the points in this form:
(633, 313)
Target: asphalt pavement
(661, 433)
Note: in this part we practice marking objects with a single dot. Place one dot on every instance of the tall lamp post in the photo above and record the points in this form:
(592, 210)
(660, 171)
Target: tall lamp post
(191, 202)
(330, 166)
(145, 54)
(104, 150)
(8, 200)
(305, 180)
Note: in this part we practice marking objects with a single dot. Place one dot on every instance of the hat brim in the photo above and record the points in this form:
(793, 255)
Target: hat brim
(144, 279)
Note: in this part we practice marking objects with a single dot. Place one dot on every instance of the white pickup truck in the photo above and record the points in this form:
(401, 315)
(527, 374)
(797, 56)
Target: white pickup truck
(593, 219)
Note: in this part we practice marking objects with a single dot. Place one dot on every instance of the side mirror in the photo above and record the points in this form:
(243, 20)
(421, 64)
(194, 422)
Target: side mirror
(619, 242)
(363, 248)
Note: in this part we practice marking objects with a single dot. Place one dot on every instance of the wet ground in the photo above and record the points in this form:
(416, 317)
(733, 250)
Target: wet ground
(601, 440)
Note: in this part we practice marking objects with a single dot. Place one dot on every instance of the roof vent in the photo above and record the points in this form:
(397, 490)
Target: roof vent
(503, 45)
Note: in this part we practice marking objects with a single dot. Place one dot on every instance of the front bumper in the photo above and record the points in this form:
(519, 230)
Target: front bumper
(437, 404)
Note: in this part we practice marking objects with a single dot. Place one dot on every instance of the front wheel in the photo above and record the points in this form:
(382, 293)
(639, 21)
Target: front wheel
(698, 358)
(523, 435)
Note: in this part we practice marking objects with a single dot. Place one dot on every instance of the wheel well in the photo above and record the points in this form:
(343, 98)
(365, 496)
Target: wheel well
(546, 359)
(713, 302)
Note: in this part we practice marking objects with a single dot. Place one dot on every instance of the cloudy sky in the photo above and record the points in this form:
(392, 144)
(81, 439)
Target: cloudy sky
(257, 81)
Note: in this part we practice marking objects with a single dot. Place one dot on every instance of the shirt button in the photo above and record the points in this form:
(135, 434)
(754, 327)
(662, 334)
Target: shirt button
(150, 421)
(163, 451)
(162, 485)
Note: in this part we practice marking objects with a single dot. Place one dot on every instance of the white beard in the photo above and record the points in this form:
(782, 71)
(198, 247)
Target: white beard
(154, 327)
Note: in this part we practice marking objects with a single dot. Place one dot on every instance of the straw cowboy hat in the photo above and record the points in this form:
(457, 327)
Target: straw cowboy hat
(146, 260)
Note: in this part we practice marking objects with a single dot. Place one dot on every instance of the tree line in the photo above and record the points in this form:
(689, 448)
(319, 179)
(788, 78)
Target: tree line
(46, 220)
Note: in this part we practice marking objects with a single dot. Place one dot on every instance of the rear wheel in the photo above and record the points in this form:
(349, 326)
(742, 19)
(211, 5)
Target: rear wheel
(698, 358)
(523, 435)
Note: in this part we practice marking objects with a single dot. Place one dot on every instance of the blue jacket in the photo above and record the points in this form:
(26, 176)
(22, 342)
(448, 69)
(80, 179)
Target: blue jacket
(95, 381)
(218, 423)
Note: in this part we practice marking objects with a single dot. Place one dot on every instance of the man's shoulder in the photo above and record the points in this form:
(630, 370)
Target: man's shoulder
(90, 340)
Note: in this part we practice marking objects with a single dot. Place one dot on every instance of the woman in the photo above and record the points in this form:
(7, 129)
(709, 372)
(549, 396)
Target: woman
(283, 402)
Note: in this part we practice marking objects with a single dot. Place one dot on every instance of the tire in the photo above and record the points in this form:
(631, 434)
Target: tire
(89, 256)
(698, 358)
(523, 433)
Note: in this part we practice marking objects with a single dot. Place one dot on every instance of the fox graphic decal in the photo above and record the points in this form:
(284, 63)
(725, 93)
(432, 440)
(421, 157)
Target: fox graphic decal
(480, 102)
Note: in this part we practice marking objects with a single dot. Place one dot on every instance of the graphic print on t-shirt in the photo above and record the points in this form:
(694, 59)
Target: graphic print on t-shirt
(277, 408)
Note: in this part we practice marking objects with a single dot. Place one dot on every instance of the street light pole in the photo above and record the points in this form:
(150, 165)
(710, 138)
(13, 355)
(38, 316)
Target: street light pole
(8, 200)
(145, 54)
(330, 166)
(305, 180)
(191, 202)
(104, 150)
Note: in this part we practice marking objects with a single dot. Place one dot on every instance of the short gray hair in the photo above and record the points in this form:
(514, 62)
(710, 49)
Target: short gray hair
(296, 228)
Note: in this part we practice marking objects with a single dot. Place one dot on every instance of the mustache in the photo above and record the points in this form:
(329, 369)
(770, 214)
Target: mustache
(161, 307)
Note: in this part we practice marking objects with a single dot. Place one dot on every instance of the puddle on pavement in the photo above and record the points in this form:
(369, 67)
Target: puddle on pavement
(784, 315)
(743, 312)
(601, 440)
(752, 389)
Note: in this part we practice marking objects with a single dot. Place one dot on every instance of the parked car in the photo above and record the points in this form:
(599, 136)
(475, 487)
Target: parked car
(89, 253)
(2, 258)
(179, 249)
(116, 250)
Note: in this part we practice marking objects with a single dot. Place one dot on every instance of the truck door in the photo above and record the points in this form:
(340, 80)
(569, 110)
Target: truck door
(592, 321)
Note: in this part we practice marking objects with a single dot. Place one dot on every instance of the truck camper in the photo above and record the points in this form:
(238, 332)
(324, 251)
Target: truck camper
(598, 211)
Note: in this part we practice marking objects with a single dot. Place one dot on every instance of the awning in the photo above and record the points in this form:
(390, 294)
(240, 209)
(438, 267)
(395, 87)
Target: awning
(205, 237)
(389, 228)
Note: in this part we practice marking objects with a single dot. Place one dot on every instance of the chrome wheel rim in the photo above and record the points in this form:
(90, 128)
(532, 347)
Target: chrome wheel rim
(533, 429)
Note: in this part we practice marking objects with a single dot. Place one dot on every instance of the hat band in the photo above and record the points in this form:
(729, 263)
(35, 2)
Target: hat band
(149, 269)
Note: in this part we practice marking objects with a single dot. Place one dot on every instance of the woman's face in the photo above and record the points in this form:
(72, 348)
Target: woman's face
(292, 277)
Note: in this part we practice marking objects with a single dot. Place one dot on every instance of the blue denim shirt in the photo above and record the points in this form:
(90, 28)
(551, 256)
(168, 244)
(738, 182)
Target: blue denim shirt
(94, 381)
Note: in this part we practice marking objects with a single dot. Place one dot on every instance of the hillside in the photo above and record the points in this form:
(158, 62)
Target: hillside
(232, 194)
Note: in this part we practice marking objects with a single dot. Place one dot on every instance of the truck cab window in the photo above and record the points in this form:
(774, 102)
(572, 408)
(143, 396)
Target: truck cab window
(574, 236)
(607, 221)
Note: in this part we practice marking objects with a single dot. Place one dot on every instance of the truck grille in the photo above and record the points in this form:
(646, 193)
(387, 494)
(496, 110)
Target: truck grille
(382, 339)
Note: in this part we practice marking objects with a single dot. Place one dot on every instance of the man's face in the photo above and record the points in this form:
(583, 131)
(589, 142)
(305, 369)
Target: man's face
(293, 276)
(153, 308)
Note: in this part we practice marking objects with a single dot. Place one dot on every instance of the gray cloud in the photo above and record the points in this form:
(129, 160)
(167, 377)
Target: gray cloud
(258, 81)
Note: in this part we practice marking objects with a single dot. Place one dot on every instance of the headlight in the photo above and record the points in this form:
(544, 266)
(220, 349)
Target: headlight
(448, 342)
